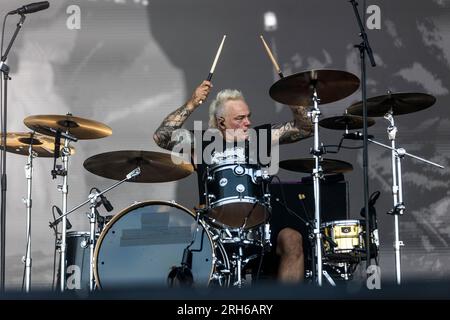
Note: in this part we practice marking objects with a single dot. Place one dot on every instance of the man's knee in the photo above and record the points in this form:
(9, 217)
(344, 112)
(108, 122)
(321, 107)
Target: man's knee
(289, 242)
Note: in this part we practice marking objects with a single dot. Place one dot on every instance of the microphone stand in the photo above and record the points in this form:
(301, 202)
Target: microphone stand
(5, 70)
(92, 220)
(397, 188)
(364, 47)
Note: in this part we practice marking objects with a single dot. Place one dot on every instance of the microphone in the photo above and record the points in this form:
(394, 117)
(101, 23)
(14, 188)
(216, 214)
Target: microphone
(108, 206)
(182, 276)
(356, 136)
(68, 224)
(32, 7)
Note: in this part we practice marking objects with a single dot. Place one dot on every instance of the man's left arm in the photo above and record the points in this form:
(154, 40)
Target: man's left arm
(299, 128)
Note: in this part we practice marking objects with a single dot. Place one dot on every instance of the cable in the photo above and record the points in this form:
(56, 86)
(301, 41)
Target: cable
(289, 210)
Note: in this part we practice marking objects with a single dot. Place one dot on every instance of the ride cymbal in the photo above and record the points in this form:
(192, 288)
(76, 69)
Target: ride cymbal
(78, 127)
(43, 146)
(345, 122)
(155, 166)
(399, 103)
(307, 165)
(298, 89)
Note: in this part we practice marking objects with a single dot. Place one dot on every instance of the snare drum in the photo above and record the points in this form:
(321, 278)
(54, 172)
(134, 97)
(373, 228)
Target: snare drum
(348, 238)
(141, 245)
(236, 194)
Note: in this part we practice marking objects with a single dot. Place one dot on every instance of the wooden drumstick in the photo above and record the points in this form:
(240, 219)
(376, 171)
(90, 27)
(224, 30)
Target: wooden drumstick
(215, 60)
(211, 72)
(275, 64)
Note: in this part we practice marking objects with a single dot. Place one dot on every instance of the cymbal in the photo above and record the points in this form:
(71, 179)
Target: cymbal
(19, 142)
(345, 122)
(307, 165)
(78, 127)
(297, 89)
(155, 166)
(400, 103)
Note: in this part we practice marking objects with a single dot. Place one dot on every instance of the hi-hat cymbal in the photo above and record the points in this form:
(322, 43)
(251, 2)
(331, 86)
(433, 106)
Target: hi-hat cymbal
(155, 166)
(308, 164)
(78, 127)
(399, 103)
(19, 142)
(297, 89)
(345, 122)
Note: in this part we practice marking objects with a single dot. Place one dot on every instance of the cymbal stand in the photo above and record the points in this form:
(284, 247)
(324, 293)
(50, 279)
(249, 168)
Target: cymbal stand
(397, 188)
(92, 198)
(28, 203)
(317, 152)
(64, 188)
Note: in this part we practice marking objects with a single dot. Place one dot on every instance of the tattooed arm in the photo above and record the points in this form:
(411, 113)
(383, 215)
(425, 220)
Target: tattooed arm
(298, 128)
(175, 120)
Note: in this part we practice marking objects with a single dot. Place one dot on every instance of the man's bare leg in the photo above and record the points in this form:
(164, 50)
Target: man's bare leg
(290, 250)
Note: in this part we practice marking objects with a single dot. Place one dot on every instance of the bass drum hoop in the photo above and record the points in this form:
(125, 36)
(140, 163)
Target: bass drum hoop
(139, 205)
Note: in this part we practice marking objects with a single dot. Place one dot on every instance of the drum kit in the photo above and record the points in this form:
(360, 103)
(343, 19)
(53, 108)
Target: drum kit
(163, 243)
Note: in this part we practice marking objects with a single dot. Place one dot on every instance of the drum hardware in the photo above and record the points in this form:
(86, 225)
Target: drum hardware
(93, 199)
(387, 106)
(71, 129)
(399, 207)
(315, 87)
(184, 273)
(28, 203)
(33, 145)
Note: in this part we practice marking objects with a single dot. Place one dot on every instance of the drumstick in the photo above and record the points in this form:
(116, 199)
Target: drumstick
(275, 64)
(215, 59)
(214, 63)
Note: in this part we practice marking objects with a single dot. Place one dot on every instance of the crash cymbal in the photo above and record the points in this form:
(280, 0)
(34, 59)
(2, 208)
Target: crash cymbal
(400, 103)
(308, 164)
(345, 122)
(155, 166)
(297, 89)
(80, 128)
(19, 142)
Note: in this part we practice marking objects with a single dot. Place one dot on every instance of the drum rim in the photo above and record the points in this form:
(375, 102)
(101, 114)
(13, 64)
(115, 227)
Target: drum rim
(77, 233)
(129, 209)
(341, 222)
(231, 165)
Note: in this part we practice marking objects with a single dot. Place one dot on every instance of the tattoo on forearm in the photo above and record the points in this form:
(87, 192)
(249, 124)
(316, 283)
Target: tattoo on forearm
(174, 121)
(295, 130)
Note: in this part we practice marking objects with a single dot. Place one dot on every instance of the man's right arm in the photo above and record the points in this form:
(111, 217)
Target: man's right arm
(175, 120)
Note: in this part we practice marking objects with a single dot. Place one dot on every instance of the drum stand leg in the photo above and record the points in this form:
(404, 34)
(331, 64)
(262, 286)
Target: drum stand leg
(238, 260)
(92, 225)
(317, 152)
(64, 189)
(28, 203)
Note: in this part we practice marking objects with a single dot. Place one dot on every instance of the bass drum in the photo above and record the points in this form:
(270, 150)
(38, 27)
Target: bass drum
(141, 245)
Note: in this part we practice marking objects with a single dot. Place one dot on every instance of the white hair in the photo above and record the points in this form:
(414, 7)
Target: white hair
(216, 108)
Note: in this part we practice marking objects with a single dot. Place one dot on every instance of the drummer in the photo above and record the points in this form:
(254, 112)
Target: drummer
(230, 114)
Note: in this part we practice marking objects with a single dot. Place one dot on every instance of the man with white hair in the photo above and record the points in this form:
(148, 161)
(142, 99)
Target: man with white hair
(230, 115)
